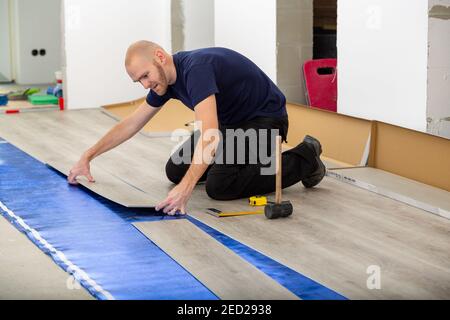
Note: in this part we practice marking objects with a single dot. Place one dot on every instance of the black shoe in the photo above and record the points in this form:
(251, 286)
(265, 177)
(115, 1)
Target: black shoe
(317, 176)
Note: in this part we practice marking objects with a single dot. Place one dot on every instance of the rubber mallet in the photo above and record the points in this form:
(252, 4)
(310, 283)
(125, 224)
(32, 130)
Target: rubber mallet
(279, 209)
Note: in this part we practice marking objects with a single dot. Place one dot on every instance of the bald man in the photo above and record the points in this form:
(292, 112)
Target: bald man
(231, 96)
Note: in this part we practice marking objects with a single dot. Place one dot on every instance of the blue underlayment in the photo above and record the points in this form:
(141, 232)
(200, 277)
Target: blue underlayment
(94, 234)
(97, 236)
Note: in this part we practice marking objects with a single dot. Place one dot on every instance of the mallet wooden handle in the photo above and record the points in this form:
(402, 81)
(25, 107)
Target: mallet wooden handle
(278, 168)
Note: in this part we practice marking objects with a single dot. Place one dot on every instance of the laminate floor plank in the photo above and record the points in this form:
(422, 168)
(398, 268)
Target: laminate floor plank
(399, 188)
(61, 151)
(217, 267)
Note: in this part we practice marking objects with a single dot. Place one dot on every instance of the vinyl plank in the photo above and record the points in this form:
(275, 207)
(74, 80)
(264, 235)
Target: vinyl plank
(414, 193)
(60, 144)
(217, 267)
(107, 186)
(142, 158)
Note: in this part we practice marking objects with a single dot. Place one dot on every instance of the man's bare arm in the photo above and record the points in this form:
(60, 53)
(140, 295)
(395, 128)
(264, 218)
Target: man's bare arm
(206, 115)
(120, 133)
(176, 200)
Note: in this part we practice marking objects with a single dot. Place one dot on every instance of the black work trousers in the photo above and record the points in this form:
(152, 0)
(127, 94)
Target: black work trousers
(243, 176)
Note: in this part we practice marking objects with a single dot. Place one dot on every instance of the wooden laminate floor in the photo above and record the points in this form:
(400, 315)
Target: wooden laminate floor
(337, 233)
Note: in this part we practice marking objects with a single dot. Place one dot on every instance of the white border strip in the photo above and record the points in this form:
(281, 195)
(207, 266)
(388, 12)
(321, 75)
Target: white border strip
(390, 194)
(365, 156)
(71, 268)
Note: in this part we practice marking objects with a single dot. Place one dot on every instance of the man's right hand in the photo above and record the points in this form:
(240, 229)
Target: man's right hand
(81, 168)
(121, 132)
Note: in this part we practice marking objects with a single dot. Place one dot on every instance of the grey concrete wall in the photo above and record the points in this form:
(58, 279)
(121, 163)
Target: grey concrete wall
(192, 24)
(177, 24)
(294, 46)
(438, 101)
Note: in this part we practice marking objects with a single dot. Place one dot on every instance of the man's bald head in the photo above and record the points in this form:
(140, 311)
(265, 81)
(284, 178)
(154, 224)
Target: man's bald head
(147, 62)
(142, 49)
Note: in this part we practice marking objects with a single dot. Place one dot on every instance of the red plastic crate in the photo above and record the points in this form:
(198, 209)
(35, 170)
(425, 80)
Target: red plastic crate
(321, 83)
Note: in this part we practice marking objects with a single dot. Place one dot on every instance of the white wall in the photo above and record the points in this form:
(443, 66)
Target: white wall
(5, 48)
(249, 27)
(36, 26)
(382, 60)
(198, 24)
(97, 35)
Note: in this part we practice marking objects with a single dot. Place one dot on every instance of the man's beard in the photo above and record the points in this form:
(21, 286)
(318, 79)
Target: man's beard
(162, 80)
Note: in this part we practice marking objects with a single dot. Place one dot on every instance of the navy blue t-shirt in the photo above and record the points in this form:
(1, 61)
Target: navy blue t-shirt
(243, 91)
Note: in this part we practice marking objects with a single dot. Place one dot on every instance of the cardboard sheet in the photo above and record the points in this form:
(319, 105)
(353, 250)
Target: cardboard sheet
(412, 154)
(343, 138)
(173, 115)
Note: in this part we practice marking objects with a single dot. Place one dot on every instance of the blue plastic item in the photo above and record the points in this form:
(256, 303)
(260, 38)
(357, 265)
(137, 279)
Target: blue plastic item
(58, 90)
(3, 100)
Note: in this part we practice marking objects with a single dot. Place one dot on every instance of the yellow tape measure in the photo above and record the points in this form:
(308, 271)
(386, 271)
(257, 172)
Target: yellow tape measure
(257, 201)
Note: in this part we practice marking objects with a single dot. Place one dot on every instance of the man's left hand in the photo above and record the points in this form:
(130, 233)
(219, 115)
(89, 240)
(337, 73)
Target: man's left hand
(176, 200)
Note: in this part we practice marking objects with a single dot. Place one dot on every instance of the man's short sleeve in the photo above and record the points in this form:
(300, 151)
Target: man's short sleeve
(157, 101)
(201, 83)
